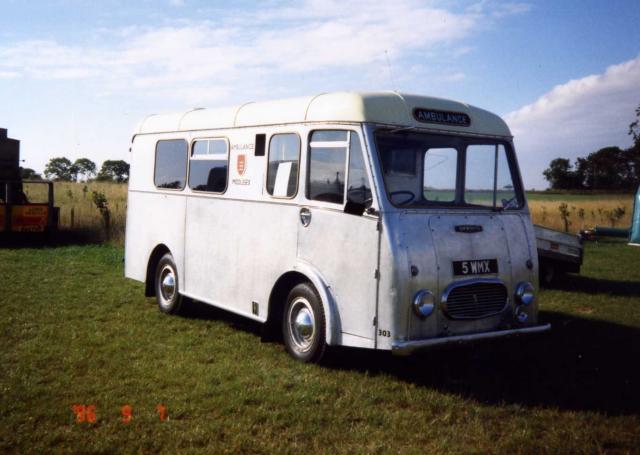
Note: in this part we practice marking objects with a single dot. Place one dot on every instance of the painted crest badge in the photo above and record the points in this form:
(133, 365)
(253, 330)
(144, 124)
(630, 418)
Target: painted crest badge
(241, 164)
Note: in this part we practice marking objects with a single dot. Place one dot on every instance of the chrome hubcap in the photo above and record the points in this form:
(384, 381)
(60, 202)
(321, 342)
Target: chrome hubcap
(301, 324)
(167, 283)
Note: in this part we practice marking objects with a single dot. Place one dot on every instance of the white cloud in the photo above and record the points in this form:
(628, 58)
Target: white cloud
(40, 59)
(576, 118)
(100, 85)
(275, 43)
(9, 74)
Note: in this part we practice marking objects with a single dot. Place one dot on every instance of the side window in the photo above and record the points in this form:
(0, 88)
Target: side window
(171, 164)
(358, 186)
(488, 179)
(439, 178)
(327, 164)
(209, 165)
(284, 159)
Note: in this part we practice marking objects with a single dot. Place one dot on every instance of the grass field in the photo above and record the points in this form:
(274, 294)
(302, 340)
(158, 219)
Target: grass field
(75, 332)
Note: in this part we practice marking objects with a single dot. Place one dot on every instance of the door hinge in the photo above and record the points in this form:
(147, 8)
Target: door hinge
(375, 321)
(376, 274)
(379, 226)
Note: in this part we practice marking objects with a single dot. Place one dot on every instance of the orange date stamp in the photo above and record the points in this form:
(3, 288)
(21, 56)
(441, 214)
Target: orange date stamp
(88, 413)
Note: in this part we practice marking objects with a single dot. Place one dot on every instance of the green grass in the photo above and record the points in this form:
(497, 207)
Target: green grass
(569, 197)
(74, 331)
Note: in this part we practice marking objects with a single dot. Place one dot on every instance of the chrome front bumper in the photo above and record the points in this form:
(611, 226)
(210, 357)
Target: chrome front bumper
(407, 347)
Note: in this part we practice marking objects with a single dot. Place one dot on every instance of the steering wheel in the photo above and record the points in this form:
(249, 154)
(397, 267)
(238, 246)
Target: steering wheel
(405, 192)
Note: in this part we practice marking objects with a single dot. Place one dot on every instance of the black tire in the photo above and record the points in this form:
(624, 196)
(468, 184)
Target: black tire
(303, 324)
(166, 285)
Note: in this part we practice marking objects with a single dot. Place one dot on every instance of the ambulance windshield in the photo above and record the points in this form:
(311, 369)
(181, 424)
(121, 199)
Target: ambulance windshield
(427, 170)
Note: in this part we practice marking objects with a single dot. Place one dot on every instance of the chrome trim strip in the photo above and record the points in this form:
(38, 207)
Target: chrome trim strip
(408, 347)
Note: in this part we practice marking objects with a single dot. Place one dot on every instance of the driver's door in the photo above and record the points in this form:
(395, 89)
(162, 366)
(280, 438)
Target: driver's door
(342, 246)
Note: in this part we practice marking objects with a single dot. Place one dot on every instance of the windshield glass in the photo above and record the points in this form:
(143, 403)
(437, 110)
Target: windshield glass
(439, 170)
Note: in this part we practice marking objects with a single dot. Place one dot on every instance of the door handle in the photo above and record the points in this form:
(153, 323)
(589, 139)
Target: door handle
(305, 216)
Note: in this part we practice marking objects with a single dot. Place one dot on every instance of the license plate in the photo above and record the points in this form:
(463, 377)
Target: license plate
(475, 267)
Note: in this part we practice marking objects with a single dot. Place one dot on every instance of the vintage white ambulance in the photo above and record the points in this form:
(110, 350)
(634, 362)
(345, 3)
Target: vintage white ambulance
(376, 220)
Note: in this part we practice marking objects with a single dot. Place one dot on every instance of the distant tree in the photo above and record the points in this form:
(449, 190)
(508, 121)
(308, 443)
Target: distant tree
(60, 169)
(102, 204)
(632, 154)
(606, 169)
(634, 128)
(84, 167)
(114, 170)
(29, 174)
(632, 157)
(610, 168)
(560, 174)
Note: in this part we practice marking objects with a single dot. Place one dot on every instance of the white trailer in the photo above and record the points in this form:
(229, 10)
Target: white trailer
(380, 220)
(558, 253)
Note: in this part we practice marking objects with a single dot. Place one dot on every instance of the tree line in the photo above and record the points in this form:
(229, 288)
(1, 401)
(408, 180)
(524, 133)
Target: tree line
(610, 168)
(61, 169)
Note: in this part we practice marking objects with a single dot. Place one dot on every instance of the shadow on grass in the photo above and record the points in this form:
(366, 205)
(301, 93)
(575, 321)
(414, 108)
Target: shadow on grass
(51, 240)
(582, 364)
(193, 309)
(583, 284)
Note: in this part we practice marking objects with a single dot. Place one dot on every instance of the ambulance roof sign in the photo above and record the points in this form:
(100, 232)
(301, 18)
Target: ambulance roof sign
(442, 117)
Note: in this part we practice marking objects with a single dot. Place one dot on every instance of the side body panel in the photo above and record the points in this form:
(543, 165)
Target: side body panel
(236, 251)
(153, 217)
(231, 248)
(345, 248)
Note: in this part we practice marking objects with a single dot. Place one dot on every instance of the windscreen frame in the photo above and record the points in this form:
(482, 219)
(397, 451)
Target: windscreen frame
(467, 139)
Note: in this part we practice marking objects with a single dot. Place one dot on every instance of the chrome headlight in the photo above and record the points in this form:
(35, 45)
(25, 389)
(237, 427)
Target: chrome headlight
(423, 303)
(525, 293)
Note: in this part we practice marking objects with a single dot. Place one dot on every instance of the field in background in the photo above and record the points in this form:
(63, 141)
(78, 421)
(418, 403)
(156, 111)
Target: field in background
(75, 332)
(79, 213)
(585, 210)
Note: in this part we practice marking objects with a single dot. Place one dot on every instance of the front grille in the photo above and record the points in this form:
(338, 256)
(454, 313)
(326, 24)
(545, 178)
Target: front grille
(475, 300)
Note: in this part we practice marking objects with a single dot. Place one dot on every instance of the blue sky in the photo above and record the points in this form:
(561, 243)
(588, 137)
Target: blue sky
(76, 76)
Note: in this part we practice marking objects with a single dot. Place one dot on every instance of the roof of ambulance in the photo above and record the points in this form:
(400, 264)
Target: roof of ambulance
(388, 108)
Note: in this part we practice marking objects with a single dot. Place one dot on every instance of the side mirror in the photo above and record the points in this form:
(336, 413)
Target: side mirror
(354, 208)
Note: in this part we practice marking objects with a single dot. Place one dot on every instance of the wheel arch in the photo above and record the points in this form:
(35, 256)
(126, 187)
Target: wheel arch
(155, 256)
(277, 298)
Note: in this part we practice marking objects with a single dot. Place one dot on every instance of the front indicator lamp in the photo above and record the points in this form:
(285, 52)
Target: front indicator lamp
(525, 293)
(521, 315)
(423, 303)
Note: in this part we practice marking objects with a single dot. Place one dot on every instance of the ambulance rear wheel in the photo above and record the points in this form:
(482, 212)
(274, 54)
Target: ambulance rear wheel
(167, 295)
(303, 324)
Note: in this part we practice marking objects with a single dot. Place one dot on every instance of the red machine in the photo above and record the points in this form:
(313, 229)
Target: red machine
(26, 206)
